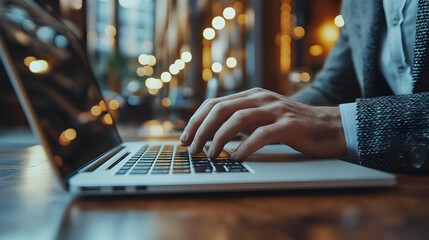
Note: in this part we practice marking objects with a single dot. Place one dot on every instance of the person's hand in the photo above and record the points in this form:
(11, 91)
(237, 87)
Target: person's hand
(264, 117)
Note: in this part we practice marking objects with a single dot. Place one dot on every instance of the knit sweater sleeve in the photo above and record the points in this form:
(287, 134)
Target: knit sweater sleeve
(393, 132)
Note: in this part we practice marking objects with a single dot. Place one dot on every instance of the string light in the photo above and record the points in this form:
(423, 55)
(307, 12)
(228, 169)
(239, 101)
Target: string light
(174, 69)
(339, 21)
(166, 77)
(209, 33)
(231, 62)
(229, 13)
(217, 67)
(218, 23)
(186, 57)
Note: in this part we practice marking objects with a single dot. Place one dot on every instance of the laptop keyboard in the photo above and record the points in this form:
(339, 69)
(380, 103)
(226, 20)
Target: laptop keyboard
(176, 160)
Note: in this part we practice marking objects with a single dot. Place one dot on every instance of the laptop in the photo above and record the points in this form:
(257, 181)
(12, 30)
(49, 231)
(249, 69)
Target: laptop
(54, 83)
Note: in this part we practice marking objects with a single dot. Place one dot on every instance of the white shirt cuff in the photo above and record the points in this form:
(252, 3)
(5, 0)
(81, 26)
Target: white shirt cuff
(348, 118)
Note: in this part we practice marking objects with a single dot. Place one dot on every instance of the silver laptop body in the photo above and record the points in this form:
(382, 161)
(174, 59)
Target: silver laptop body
(64, 106)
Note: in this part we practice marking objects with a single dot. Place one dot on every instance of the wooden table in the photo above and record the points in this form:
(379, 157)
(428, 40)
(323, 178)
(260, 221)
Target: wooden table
(33, 206)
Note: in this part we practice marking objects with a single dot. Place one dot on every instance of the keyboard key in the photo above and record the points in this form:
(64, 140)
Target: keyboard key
(122, 171)
(159, 171)
(161, 167)
(181, 171)
(203, 169)
(220, 169)
(180, 167)
(237, 170)
(139, 171)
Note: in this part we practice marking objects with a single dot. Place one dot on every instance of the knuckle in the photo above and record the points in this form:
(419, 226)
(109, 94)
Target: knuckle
(240, 116)
(257, 89)
(207, 100)
(265, 96)
(280, 107)
(292, 120)
(261, 132)
(218, 108)
(211, 102)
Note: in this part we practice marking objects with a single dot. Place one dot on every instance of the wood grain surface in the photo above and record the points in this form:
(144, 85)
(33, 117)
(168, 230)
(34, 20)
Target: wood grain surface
(33, 206)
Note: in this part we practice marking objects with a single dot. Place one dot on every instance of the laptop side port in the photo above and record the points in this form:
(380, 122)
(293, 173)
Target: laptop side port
(118, 188)
(90, 189)
(141, 188)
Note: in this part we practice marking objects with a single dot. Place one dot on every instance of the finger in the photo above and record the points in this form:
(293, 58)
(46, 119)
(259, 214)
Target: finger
(219, 114)
(241, 121)
(260, 137)
(202, 112)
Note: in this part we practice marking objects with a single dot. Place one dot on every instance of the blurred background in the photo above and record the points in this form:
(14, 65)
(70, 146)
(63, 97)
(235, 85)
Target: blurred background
(157, 60)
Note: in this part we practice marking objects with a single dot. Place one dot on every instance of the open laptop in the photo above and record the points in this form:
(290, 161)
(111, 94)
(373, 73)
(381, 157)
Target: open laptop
(62, 101)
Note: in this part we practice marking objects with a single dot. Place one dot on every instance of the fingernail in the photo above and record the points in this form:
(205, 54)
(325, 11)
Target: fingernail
(234, 155)
(210, 153)
(192, 149)
(184, 136)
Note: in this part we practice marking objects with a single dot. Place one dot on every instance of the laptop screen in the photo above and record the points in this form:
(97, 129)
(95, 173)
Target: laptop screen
(55, 75)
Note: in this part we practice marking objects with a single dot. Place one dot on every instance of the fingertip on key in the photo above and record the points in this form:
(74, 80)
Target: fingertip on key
(184, 137)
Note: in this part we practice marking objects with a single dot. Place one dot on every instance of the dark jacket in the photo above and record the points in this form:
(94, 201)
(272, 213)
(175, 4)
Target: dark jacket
(393, 131)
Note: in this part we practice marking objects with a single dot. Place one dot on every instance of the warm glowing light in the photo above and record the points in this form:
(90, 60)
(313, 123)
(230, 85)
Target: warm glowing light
(58, 160)
(155, 130)
(110, 30)
(285, 37)
(166, 102)
(28, 60)
(107, 119)
(141, 72)
(305, 77)
(153, 91)
(143, 59)
(67, 136)
(329, 33)
(152, 60)
(96, 111)
(339, 21)
(238, 5)
(186, 57)
(76, 4)
(180, 64)
(209, 33)
(218, 23)
(242, 19)
(167, 125)
(299, 32)
(113, 104)
(154, 83)
(148, 70)
(231, 62)
(316, 50)
(217, 67)
(39, 66)
(207, 74)
(174, 69)
(70, 134)
(103, 105)
(166, 77)
(295, 77)
(229, 13)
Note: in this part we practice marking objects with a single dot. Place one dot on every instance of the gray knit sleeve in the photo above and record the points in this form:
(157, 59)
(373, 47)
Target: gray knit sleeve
(393, 132)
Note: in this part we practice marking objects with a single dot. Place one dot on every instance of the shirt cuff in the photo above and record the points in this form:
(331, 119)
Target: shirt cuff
(348, 118)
